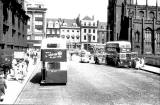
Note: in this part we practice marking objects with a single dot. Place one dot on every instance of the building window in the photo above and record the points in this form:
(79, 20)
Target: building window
(77, 36)
(67, 36)
(72, 30)
(84, 23)
(38, 15)
(89, 24)
(63, 36)
(141, 14)
(13, 19)
(93, 30)
(19, 22)
(2, 46)
(148, 41)
(38, 37)
(84, 30)
(48, 31)
(84, 37)
(67, 30)
(72, 36)
(93, 37)
(39, 23)
(29, 37)
(89, 30)
(77, 31)
(158, 40)
(102, 41)
(151, 15)
(137, 37)
(94, 24)
(13, 32)
(19, 34)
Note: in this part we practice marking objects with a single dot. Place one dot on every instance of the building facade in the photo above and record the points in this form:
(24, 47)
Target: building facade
(66, 29)
(89, 28)
(13, 27)
(139, 24)
(78, 33)
(102, 32)
(36, 25)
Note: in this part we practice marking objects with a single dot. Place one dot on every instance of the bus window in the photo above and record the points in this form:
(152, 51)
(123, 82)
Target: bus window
(51, 45)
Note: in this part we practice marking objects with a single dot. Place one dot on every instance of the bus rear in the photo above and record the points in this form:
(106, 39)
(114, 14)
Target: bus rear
(54, 61)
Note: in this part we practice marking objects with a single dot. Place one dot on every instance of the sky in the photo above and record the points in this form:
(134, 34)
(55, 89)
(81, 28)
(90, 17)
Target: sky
(70, 9)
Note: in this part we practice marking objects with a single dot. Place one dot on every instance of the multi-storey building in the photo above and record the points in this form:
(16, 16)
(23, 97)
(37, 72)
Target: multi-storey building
(89, 28)
(78, 33)
(139, 24)
(102, 32)
(36, 25)
(52, 28)
(13, 27)
(66, 29)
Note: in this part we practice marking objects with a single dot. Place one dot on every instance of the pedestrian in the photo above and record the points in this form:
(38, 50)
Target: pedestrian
(142, 62)
(137, 66)
(3, 85)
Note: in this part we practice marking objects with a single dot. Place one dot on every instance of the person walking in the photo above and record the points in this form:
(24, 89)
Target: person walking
(3, 85)
(137, 66)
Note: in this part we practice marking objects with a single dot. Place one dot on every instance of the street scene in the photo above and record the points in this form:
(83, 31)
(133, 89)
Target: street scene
(101, 52)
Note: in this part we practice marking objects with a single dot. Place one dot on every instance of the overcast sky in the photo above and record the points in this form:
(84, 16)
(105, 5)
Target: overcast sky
(71, 8)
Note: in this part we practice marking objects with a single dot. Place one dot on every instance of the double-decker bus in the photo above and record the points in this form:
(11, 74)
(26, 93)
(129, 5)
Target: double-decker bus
(118, 53)
(54, 61)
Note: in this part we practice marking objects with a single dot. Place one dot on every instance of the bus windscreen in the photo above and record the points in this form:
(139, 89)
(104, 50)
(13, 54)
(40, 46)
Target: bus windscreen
(51, 45)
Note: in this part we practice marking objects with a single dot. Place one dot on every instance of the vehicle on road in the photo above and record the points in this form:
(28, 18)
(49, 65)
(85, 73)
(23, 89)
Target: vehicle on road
(54, 60)
(84, 56)
(118, 53)
(134, 56)
(98, 53)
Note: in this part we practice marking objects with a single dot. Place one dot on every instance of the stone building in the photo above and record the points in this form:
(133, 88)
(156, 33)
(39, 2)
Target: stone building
(102, 32)
(36, 25)
(139, 24)
(88, 26)
(13, 28)
(66, 29)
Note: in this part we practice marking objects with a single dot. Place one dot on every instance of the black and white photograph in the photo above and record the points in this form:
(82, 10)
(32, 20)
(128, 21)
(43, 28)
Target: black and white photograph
(80, 52)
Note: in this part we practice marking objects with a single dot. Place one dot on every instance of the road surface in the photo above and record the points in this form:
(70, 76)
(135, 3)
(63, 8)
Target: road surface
(90, 84)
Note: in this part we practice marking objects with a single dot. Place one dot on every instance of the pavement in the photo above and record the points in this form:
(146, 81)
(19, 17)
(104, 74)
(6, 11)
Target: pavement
(151, 69)
(14, 88)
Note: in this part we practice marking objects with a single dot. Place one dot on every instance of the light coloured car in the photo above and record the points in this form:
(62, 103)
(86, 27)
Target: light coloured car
(84, 56)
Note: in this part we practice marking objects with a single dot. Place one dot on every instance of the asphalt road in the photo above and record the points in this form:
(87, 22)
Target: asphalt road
(90, 84)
